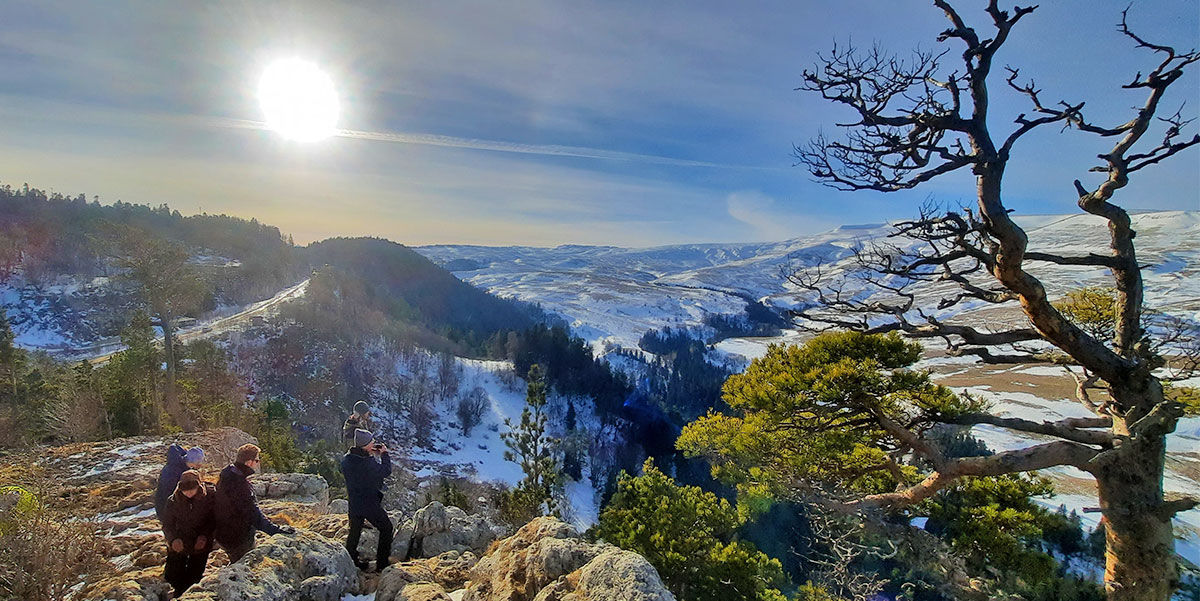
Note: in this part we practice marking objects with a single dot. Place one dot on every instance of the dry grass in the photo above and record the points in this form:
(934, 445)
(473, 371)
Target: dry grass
(46, 553)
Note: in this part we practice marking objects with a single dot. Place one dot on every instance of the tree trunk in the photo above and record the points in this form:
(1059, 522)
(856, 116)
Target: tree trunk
(170, 394)
(1140, 559)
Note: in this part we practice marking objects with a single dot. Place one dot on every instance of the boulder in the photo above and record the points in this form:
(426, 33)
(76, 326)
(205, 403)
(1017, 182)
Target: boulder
(130, 585)
(447, 572)
(518, 567)
(339, 506)
(614, 574)
(295, 488)
(436, 529)
(452, 569)
(421, 591)
(302, 567)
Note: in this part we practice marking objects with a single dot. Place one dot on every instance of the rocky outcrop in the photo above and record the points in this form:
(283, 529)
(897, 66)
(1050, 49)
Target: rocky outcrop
(304, 566)
(547, 561)
(518, 567)
(436, 529)
(614, 574)
(293, 488)
(445, 553)
(447, 572)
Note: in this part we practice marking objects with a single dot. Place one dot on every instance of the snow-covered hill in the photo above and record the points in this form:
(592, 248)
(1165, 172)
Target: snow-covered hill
(612, 294)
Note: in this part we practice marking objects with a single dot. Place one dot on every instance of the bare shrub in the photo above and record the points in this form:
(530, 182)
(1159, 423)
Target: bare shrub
(471, 407)
(46, 552)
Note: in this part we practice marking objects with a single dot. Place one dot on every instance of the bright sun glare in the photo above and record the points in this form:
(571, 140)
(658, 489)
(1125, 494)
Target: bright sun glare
(298, 100)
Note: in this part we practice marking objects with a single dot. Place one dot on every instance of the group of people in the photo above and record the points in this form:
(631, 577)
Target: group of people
(196, 515)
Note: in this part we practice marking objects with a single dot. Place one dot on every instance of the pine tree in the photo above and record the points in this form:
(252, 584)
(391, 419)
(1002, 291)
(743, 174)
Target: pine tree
(687, 535)
(12, 360)
(572, 466)
(131, 380)
(534, 450)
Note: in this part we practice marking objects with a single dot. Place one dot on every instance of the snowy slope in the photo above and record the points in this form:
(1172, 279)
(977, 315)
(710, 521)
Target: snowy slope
(480, 455)
(616, 294)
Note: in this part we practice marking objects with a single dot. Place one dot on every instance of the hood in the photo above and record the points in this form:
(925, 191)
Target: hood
(176, 456)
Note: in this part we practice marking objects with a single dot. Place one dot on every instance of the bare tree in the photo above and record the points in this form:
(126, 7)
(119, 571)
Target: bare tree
(471, 407)
(171, 287)
(916, 121)
(449, 375)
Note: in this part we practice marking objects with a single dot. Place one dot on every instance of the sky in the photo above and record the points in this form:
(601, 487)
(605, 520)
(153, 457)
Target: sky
(534, 123)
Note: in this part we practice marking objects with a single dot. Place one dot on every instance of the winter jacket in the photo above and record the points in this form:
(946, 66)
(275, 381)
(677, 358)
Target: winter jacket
(187, 519)
(364, 479)
(168, 478)
(354, 422)
(235, 508)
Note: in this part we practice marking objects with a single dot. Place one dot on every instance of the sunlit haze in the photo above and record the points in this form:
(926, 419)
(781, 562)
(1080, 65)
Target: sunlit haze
(539, 123)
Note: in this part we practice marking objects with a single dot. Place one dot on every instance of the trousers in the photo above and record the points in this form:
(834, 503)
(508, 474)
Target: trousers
(182, 570)
(380, 520)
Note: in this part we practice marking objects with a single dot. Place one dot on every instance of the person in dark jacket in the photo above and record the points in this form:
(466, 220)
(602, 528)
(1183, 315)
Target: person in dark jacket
(364, 492)
(236, 508)
(187, 523)
(179, 460)
(359, 420)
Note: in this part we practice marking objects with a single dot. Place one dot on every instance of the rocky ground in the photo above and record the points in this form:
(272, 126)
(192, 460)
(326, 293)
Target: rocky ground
(439, 553)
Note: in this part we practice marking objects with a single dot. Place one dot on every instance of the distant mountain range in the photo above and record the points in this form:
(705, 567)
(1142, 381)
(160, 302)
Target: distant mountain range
(612, 294)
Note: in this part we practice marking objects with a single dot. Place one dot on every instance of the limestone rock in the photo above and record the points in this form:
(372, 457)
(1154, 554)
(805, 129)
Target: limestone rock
(436, 529)
(422, 591)
(296, 488)
(303, 567)
(614, 574)
(339, 506)
(138, 585)
(518, 567)
(452, 569)
(396, 578)
(448, 571)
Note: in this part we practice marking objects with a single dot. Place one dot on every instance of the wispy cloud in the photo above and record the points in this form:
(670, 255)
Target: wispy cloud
(759, 212)
(499, 146)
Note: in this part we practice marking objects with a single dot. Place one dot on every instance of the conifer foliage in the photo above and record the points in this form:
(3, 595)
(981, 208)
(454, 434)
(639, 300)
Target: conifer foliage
(688, 535)
(531, 447)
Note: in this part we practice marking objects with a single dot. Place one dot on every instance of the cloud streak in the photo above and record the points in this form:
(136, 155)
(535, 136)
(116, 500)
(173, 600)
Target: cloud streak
(501, 146)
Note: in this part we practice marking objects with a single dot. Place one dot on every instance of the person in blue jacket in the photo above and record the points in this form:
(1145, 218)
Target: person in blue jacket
(365, 467)
(179, 460)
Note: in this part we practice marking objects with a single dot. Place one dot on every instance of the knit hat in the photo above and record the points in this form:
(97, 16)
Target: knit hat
(195, 455)
(361, 407)
(362, 438)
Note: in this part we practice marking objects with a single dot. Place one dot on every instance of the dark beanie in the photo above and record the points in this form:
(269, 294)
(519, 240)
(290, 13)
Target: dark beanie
(361, 407)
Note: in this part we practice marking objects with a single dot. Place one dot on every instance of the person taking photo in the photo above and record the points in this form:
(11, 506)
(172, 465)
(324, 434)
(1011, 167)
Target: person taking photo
(365, 467)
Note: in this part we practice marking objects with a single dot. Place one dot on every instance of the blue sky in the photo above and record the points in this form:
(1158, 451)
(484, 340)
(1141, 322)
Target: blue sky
(541, 123)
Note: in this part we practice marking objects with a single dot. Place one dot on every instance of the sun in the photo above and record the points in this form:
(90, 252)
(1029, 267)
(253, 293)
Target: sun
(298, 100)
